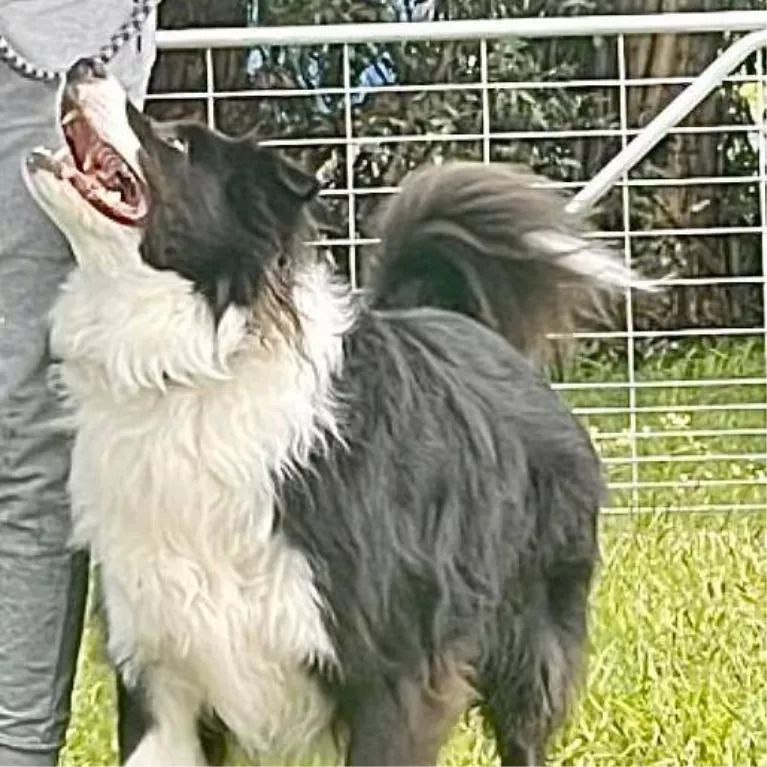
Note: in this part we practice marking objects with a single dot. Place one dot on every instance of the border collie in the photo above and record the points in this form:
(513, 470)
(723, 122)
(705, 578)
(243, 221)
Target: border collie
(316, 514)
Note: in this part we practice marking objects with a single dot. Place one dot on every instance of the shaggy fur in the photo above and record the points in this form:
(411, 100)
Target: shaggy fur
(315, 515)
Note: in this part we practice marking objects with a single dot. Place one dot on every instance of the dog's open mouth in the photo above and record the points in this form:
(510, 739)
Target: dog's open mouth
(95, 169)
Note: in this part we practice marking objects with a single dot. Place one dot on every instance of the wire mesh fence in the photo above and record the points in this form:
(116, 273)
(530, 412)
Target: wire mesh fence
(675, 398)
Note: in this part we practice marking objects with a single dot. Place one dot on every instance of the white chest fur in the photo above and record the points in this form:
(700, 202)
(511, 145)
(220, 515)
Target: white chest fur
(172, 489)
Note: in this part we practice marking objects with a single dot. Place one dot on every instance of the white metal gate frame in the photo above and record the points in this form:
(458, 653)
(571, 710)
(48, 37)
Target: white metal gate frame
(635, 146)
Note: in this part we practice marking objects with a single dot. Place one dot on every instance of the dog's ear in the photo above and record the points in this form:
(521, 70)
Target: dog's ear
(268, 186)
(297, 181)
(273, 169)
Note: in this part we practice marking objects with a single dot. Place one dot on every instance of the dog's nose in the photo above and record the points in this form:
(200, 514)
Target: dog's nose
(86, 69)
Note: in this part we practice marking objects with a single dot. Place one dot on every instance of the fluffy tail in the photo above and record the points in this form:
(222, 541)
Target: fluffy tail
(481, 240)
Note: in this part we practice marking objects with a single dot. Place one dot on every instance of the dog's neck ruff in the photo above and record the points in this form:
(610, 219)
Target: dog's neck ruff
(139, 350)
(134, 331)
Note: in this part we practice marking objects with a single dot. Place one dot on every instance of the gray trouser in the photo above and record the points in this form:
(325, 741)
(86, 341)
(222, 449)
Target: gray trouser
(42, 583)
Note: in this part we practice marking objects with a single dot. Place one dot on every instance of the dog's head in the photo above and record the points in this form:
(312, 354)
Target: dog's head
(225, 214)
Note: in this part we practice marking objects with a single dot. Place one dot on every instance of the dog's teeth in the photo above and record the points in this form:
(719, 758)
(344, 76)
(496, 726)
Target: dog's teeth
(69, 117)
(87, 162)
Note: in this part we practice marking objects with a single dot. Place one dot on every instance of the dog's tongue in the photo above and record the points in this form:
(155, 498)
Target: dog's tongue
(99, 173)
(91, 155)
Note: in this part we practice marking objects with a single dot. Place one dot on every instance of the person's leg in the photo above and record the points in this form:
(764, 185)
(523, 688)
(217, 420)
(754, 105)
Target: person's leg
(33, 717)
(43, 591)
(42, 583)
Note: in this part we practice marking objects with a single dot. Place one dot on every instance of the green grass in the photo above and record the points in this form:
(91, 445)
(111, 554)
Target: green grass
(677, 665)
(679, 651)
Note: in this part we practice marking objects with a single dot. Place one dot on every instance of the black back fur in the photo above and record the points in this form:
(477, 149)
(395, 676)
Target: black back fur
(459, 518)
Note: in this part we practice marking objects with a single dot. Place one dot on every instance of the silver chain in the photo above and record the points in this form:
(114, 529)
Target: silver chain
(129, 30)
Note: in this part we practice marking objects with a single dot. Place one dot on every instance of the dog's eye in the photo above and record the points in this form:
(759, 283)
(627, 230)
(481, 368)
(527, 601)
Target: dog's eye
(179, 144)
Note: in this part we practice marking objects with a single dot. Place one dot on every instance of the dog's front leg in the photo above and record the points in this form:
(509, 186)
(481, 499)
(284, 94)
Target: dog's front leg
(172, 738)
(399, 723)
